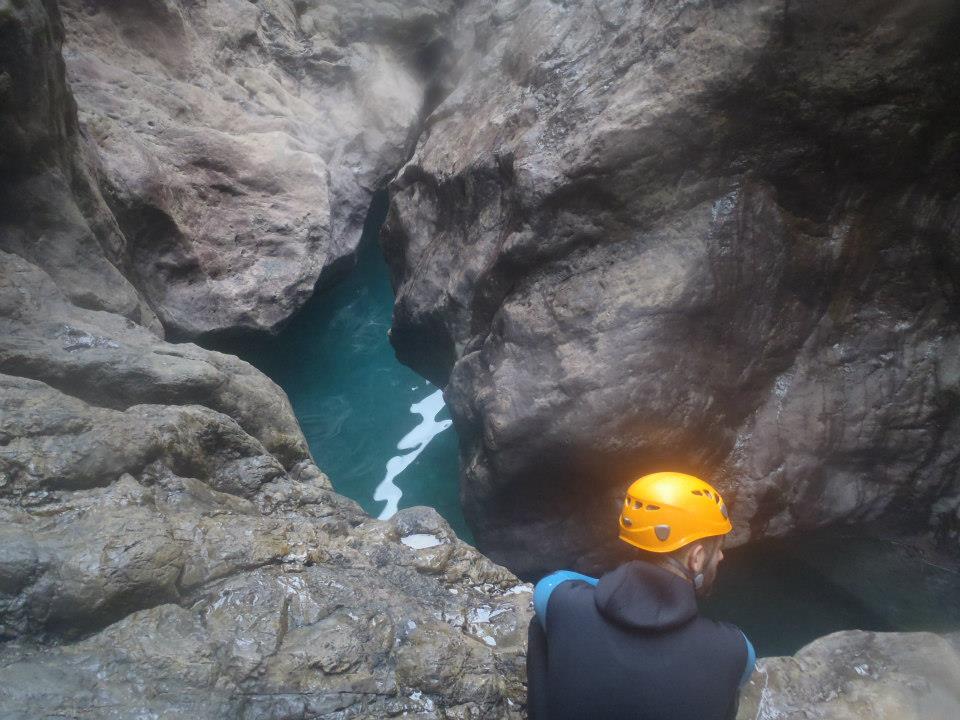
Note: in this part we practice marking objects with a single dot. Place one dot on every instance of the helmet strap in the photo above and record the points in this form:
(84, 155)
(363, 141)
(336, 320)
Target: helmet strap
(695, 578)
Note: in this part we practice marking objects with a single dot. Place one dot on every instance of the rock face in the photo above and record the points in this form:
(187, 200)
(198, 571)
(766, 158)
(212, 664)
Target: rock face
(853, 675)
(51, 211)
(241, 142)
(168, 548)
(721, 238)
(109, 361)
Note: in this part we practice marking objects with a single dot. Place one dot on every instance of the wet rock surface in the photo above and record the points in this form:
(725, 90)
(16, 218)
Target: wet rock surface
(203, 604)
(716, 237)
(859, 675)
(169, 548)
(241, 142)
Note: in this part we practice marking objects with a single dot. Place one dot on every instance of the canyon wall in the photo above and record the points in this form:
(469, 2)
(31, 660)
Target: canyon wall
(241, 142)
(716, 237)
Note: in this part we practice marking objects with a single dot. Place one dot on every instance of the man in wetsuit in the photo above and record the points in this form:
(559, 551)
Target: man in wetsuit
(632, 644)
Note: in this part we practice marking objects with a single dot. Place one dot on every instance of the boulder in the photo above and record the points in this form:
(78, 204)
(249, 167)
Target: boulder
(718, 238)
(853, 674)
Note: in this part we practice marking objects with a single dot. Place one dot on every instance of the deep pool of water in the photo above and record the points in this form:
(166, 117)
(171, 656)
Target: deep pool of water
(784, 594)
(379, 430)
(383, 436)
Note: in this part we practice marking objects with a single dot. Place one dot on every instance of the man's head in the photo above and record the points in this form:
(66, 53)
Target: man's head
(678, 521)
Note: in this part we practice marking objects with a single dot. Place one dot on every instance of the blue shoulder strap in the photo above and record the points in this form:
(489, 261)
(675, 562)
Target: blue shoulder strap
(543, 589)
(751, 661)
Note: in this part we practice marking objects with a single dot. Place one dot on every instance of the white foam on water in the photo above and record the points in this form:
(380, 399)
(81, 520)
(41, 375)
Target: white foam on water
(419, 541)
(415, 440)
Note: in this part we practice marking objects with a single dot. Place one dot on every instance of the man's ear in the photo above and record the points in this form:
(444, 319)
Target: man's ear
(697, 557)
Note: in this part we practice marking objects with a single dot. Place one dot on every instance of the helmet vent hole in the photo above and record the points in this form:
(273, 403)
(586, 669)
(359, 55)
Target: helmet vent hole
(626, 521)
(697, 492)
(653, 507)
(637, 504)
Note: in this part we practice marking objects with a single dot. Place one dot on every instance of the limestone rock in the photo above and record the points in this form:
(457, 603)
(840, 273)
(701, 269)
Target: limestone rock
(853, 674)
(210, 609)
(157, 559)
(169, 549)
(110, 361)
(51, 210)
(721, 238)
(241, 142)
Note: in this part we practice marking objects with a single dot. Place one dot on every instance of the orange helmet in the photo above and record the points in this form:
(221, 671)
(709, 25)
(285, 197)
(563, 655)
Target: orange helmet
(667, 510)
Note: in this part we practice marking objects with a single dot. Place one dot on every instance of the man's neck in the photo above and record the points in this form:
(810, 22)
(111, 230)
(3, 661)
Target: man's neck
(674, 566)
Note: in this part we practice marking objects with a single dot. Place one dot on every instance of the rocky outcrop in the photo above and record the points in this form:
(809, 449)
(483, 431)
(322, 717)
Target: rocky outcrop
(168, 548)
(717, 237)
(854, 674)
(241, 142)
(287, 602)
(109, 361)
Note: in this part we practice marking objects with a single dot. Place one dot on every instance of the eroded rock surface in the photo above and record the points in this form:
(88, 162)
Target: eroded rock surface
(110, 361)
(51, 210)
(169, 549)
(289, 604)
(853, 675)
(158, 559)
(721, 238)
(241, 141)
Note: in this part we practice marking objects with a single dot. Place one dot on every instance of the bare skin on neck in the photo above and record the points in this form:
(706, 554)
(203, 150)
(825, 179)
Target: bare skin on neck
(700, 556)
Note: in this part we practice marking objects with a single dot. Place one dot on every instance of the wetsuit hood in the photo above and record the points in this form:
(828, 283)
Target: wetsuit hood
(642, 596)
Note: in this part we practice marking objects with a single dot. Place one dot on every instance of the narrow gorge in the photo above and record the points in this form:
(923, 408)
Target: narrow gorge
(618, 235)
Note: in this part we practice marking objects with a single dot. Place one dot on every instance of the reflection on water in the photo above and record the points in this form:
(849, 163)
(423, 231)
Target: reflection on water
(428, 408)
(354, 400)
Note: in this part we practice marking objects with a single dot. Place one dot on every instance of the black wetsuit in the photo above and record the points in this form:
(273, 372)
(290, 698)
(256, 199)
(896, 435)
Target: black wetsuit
(631, 645)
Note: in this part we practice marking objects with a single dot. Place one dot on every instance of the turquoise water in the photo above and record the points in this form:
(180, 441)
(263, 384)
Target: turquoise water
(784, 594)
(359, 408)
